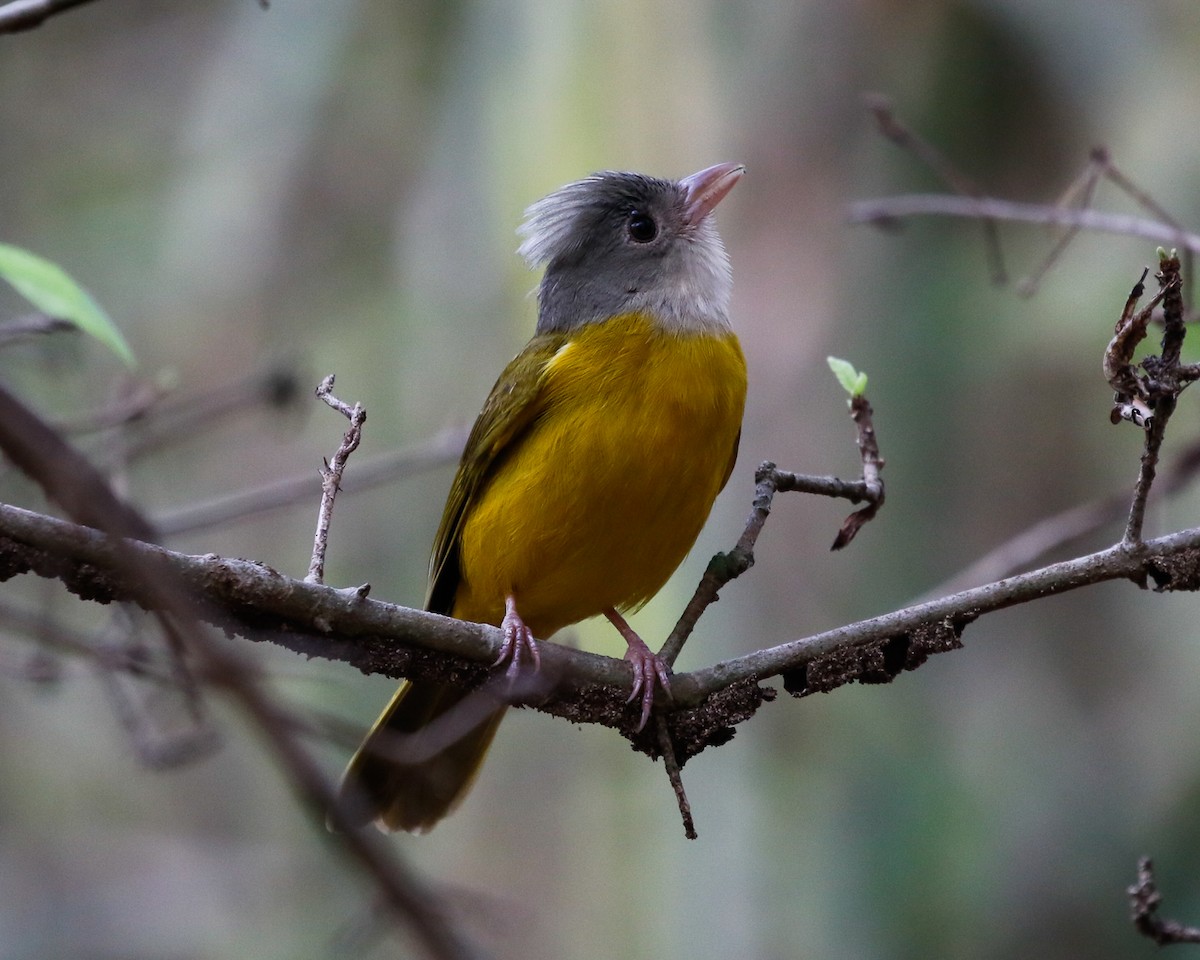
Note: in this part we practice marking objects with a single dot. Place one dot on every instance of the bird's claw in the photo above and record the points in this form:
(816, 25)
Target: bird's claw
(649, 671)
(518, 642)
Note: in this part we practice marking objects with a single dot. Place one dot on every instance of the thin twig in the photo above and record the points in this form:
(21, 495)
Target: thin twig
(887, 210)
(908, 139)
(1144, 899)
(1076, 199)
(331, 475)
(137, 399)
(868, 447)
(1130, 331)
(671, 765)
(184, 416)
(725, 567)
(1079, 194)
(769, 480)
(1059, 529)
(1143, 199)
(1147, 393)
(439, 450)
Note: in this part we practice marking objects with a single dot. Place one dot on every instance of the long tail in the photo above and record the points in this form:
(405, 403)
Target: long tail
(411, 771)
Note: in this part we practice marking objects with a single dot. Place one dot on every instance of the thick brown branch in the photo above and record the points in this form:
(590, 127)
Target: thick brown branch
(255, 601)
(1171, 563)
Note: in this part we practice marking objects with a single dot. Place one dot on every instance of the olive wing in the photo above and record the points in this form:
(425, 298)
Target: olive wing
(516, 400)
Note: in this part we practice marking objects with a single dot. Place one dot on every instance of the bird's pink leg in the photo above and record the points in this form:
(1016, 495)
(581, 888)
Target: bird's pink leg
(649, 669)
(518, 641)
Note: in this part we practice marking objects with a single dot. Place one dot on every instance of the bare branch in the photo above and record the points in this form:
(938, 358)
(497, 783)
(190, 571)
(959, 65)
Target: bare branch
(769, 480)
(32, 325)
(887, 210)
(907, 139)
(439, 450)
(888, 644)
(26, 14)
(1145, 900)
(378, 637)
(74, 484)
(671, 764)
(331, 476)
(868, 447)
(1147, 392)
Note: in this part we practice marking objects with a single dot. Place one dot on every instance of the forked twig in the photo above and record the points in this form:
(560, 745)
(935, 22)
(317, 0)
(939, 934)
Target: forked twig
(1146, 393)
(1144, 899)
(331, 477)
(1071, 212)
(725, 567)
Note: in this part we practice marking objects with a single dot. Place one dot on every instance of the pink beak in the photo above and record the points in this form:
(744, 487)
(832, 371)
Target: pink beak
(708, 188)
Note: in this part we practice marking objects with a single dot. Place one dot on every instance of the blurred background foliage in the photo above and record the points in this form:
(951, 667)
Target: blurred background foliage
(335, 187)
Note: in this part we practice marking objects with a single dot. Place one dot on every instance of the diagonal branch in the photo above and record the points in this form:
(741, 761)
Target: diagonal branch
(26, 14)
(254, 601)
(77, 487)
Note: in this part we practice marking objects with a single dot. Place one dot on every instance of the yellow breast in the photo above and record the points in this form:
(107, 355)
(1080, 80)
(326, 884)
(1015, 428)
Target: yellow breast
(602, 497)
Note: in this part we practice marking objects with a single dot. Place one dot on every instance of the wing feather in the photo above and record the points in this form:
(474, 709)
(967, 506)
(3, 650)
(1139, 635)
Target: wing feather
(516, 401)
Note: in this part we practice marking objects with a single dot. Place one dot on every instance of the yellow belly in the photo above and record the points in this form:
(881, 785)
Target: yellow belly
(603, 497)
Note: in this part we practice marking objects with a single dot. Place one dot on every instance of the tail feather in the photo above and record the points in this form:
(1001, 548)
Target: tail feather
(398, 793)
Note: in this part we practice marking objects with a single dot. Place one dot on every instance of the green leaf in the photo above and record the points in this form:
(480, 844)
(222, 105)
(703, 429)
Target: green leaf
(853, 382)
(47, 286)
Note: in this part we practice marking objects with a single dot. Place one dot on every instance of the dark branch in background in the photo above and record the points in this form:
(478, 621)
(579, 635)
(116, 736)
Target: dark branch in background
(26, 14)
(886, 211)
(1071, 212)
(74, 484)
(1146, 395)
(147, 418)
(20, 15)
(32, 325)
(331, 478)
(907, 139)
(1080, 194)
(181, 415)
(1145, 900)
(441, 450)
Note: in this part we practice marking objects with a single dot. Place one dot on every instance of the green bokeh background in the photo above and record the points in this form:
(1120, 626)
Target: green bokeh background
(335, 187)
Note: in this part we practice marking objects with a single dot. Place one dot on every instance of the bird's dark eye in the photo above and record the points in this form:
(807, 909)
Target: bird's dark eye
(641, 227)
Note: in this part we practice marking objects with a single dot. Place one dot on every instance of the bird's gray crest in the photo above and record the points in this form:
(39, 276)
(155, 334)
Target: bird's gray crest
(555, 224)
(681, 277)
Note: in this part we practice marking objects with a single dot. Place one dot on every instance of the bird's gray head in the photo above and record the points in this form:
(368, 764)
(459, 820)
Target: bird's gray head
(617, 243)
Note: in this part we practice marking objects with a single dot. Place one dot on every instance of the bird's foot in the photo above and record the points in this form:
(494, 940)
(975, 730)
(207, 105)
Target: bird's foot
(518, 642)
(649, 669)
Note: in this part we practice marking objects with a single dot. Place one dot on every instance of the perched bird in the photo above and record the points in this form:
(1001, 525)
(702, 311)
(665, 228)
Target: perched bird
(592, 466)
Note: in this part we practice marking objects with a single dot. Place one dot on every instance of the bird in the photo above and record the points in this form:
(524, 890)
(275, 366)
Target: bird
(590, 470)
